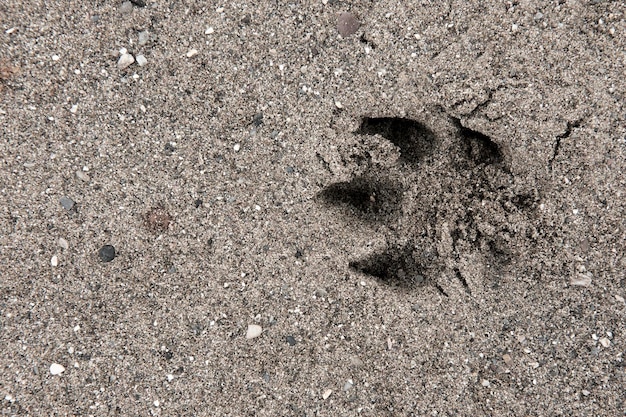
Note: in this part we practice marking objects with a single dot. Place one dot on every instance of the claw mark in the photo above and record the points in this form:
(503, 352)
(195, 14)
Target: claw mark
(463, 280)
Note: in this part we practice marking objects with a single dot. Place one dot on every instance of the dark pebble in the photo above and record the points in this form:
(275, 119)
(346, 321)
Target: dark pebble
(106, 253)
(257, 120)
(138, 3)
(197, 203)
(67, 203)
(298, 253)
(169, 148)
(291, 340)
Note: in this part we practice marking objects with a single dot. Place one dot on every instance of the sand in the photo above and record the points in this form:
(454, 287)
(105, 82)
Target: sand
(424, 217)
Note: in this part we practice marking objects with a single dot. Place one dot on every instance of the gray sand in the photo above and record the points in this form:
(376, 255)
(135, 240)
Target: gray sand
(425, 217)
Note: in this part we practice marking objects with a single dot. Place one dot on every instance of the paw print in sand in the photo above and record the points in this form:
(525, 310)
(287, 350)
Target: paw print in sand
(444, 203)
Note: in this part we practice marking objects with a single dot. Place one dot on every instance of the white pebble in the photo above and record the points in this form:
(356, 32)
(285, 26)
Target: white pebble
(338, 104)
(327, 393)
(83, 176)
(156, 403)
(55, 57)
(485, 383)
(209, 30)
(605, 342)
(349, 384)
(144, 37)
(237, 147)
(74, 108)
(63, 243)
(125, 61)
(56, 369)
(54, 261)
(582, 280)
(192, 52)
(254, 330)
(141, 60)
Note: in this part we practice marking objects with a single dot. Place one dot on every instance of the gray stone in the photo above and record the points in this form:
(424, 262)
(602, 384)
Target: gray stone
(67, 203)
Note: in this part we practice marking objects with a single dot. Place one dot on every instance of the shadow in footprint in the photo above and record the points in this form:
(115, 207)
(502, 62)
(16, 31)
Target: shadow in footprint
(415, 140)
(396, 266)
(370, 198)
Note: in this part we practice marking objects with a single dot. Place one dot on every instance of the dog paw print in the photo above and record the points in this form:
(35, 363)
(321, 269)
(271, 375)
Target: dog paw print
(444, 201)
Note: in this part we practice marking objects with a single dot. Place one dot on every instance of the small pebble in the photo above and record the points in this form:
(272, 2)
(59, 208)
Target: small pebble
(291, 340)
(338, 104)
(327, 393)
(254, 330)
(56, 369)
(126, 7)
(106, 253)
(349, 384)
(236, 147)
(67, 203)
(209, 30)
(604, 341)
(582, 280)
(63, 243)
(619, 298)
(125, 61)
(347, 24)
(83, 176)
(54, 261)
(141, 60)
(257, 120)
(192, 52)
(144, 37)
(507, 359)
(485, 383)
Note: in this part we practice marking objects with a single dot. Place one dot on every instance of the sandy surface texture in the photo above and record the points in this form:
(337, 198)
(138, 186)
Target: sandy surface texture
(323, 208)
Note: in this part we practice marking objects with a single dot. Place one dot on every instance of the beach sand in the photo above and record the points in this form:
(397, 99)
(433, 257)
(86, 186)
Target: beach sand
(423, 217)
